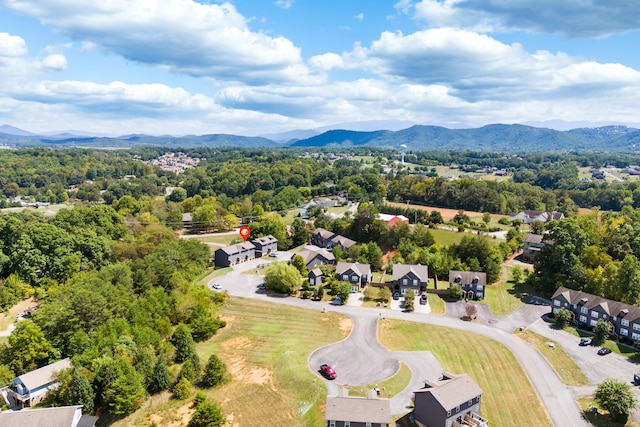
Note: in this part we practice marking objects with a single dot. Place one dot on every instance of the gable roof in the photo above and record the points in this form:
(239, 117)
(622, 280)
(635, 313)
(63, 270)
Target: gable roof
(316, 272)
(310, 252)
(533, 238)
(63, 416)
(467, 277)
(452, 390)
(356, 267)
(237, 248)
(44, 375)
(325, 234)
(358, 409)
(265, 240)
(401, 270)
(592, 302)
(345, 242)
(388, 217)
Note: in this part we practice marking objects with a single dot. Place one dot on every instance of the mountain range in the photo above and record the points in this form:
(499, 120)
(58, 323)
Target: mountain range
(495, 137)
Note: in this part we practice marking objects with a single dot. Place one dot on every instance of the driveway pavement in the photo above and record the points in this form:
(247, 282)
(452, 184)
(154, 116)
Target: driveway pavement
(558, 399)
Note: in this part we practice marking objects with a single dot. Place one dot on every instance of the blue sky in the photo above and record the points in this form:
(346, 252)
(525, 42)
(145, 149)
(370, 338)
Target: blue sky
(256, 67)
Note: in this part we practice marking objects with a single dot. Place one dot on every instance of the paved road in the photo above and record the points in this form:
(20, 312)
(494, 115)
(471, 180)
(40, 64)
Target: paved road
(556, 397)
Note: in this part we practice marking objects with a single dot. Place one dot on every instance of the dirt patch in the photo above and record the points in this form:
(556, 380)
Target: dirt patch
(228, 319)
(178, 418)
(248, 374)
(236, 343)
(447, 214)
(231, 421)
(345, 325)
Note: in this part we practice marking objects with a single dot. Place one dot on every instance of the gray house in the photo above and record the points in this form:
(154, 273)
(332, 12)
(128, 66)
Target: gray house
(315, 277)
(472, 283)
(453, 400)
(63, 416)
(234, 254)
(314, 256)
(370, 411)
(357, 274)
(405, 276)
(533, 244)
(328, 239)
(30, 388)
(265, 245)
(528, 217)
(587, 309)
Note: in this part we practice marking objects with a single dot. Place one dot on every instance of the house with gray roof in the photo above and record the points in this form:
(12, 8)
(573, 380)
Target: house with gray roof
(30, 388)
(63, 416)
(234, 254)
(358, 275)
(350, 411)
(265, 245)
(587, 309)
(328, 239)
(406, 276)
(314, 256)
(452, 400)
(533, 244)
(315, 277)
(528, 217)
(471, 282)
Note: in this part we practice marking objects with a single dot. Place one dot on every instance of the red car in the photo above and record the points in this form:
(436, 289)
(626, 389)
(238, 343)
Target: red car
(328, 371)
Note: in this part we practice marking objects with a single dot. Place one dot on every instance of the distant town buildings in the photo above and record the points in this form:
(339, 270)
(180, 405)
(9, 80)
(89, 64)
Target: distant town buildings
(175, 162)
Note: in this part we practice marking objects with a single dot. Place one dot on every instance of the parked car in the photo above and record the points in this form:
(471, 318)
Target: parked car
(328, 371)
(396, 295)
(585, 341)
(217, 286)
(604, 351)
(423, 299)
(273, 254)
(262, 286)
(636, 379)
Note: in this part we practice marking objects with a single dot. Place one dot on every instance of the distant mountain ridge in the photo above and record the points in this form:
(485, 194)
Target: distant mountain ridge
(494, 137)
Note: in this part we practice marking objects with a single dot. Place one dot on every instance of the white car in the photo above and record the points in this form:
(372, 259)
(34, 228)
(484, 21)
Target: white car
(217, 286)
(273, 254)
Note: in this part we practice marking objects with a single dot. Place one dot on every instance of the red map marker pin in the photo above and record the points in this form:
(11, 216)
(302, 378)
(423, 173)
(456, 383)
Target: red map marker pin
(244, 233)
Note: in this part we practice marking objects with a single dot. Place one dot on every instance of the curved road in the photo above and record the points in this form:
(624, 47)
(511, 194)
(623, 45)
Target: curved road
(555, 396)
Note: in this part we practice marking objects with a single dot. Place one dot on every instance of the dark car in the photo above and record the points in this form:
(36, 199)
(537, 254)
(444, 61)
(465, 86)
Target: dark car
(636, 379)
(328, 371)
(262, 286)
(604, 351)
(396, 295)
(423, 299)
(585, 341)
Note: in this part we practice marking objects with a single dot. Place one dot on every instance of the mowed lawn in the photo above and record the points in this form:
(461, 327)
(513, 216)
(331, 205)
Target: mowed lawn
(508, 397)
(265, 347)
(505, 296)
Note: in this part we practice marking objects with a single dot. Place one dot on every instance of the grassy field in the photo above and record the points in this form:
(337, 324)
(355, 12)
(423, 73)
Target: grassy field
(505, 296)
(265, 347)
(508, 398)
(566, 368)
(450, 237)
(215, 273)
(388, 388)
(436, 303)
(223, 239)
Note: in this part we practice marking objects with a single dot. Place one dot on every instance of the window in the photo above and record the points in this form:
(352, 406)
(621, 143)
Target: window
(354, 278)
(624, 332)
(584, 310)
(458, 408)
(593, 322)
(635, 336)
(415, 282)
(332, 423)
(368, 424)
(556, 302)
(470, 403)
(347, 424)
(449, 413)
(449, 423)
(594, 314)
(636, 327)
(404, 281)
(614, 318)
(345, 277)
(583, 319)
(624, 322)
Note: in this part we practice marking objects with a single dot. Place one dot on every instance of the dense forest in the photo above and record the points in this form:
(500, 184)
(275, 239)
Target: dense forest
(116, 288)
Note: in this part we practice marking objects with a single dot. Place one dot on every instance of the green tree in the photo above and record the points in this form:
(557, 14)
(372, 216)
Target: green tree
(455, 292)
(178, 195)
(28, 348)
(207, 414)
(215, 373)
(616, 397)
(75, 389)
(283, 278)
(300, 234)
(183, 342)
(517, 274)
(182, 389)
(126, 394)
(486, 217)
(602, 330)
(161, 378)
(562, 318)
(343, 292)
(298, 262)
(409, 300)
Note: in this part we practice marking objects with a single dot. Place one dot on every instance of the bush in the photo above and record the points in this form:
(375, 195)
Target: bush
(503, 221)
(307, 294)
(455, 292)
(183, 389)
(563, 317)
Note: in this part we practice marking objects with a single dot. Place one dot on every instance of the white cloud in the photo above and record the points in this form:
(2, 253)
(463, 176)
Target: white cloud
(359, 17)
(54, 62)
(201, 40)
(12, 46)
(570, 18)
(285, 4)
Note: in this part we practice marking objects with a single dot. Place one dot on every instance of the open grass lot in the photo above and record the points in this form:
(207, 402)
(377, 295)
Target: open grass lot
(508, 398)
(223, 239)
(389, 387)
(505, 296)
(601, 419)
(265, 347)
(566, 368)
(215, 273)
(436, 303)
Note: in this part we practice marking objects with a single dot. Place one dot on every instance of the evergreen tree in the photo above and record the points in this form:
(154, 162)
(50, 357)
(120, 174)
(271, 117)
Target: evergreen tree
(215, 373)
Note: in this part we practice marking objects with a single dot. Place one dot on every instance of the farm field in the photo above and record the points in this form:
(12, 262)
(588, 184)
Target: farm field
(265, 347)
(508, 397)
(447, 214)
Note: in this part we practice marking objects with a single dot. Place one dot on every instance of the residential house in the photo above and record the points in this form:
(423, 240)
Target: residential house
(314, 256)
(357, 274)
(452, 401)
(30, 388)
(406, 277)
(234, 254)
(328, 239)
(315, 277)
(346, 411)
(533, 244)
(392, 220)
(63, 416)
(528, 217)
(471, 282)
(265, 245)
(587, 309)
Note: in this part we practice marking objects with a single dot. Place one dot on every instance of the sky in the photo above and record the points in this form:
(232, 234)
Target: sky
(256, 67)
